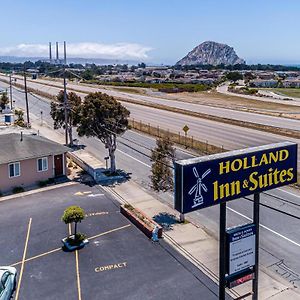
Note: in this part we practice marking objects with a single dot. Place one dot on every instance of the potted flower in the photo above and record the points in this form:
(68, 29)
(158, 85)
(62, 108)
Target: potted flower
(74, 214)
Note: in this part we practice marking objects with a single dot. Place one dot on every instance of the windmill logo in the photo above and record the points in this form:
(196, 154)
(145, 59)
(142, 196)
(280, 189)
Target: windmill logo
(198, 187)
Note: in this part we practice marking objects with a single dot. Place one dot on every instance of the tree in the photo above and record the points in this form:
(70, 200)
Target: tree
(20, 120)
(234, 76)
(162, 156)
(58, 112)
(104, 117)
(4, 100)
(142, 65)
(73, 214)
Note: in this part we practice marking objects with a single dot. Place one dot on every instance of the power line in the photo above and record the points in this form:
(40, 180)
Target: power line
(275, 209)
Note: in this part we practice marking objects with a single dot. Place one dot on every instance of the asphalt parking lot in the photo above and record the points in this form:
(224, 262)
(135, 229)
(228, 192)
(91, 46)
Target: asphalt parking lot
(118, 263)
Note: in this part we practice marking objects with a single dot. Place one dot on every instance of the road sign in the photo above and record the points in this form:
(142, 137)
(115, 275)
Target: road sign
(240, 248)
(205, 181)
(186, 128)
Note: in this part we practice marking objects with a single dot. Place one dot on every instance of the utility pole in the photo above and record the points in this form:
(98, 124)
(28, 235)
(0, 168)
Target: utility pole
(10, 92)
(65, 97)
(26, 98)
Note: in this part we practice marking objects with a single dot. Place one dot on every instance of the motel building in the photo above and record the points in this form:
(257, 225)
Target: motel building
(27, 159)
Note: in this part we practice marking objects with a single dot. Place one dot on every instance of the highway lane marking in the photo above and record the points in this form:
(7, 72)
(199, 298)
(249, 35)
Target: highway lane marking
(134, 158)
(23, 259)
(288, 192)
(78, 275)
(267, 228)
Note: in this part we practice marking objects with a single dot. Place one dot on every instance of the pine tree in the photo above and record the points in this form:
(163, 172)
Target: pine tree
(162, 157)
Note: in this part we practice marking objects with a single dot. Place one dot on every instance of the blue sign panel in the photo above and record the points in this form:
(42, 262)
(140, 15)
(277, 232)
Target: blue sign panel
(209, 180)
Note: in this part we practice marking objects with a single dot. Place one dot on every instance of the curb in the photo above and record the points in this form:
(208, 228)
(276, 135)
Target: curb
(39, 190)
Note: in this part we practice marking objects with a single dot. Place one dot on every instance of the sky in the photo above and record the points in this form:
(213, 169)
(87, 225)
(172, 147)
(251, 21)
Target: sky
(153, 31)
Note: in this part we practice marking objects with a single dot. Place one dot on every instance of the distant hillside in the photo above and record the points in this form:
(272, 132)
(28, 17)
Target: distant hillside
(211, 53)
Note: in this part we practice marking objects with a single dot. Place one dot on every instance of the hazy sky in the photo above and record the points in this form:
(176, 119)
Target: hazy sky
(159, 31)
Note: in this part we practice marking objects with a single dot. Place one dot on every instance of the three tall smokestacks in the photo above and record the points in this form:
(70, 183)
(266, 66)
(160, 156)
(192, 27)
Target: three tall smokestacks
(57, 53)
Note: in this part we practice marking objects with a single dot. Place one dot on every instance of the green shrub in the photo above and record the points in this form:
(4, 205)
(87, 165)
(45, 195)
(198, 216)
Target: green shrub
(42, 183)
(128, 206)
(79, 238)
(51, 180)
(18, 189)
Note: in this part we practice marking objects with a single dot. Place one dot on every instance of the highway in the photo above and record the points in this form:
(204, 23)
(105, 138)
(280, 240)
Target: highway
(230, 137)
(206, 109)
(280, 235)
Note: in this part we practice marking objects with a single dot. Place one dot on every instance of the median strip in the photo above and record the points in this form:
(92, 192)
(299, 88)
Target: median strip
(266, 128)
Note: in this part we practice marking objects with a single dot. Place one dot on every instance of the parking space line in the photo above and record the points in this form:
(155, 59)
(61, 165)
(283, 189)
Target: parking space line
(37, 256)
(23, 259)
(58, 249)
(110, 231)
(77, 275)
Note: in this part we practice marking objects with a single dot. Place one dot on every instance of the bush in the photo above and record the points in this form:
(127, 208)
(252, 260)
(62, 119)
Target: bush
(79, 238)
(51, 180)
(18, 189)
(70, 165)
(42, 183)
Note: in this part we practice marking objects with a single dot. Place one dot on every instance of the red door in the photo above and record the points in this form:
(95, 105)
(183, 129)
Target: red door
(58, 165)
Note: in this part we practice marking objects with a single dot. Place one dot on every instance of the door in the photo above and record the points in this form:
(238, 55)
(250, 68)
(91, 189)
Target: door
(58, 165)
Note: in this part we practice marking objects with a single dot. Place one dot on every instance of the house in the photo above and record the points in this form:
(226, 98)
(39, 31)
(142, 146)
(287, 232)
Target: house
(261, 83)
(27, 159)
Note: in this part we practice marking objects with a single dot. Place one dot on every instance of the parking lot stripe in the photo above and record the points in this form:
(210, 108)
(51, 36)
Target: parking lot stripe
(77, 275)
(23, 259)
(110, 231)
(58, 249)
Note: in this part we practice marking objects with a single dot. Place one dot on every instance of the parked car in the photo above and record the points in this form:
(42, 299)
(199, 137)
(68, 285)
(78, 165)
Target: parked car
(8, 280)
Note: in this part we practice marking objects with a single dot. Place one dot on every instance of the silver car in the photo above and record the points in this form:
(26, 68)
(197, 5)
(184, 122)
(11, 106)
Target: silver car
(8, 279)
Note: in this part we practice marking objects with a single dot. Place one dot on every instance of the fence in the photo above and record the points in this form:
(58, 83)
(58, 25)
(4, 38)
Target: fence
(177, 138)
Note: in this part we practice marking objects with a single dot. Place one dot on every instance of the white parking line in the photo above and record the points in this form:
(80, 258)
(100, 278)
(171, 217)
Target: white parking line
(265, 227)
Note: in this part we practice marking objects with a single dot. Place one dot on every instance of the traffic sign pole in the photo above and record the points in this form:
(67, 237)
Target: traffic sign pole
(256, 222)
(222, 254)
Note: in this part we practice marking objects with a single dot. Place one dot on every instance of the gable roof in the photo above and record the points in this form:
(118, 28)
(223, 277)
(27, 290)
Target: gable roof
(13, 148)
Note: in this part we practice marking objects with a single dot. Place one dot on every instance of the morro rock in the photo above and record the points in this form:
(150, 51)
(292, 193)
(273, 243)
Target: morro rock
(211, 53)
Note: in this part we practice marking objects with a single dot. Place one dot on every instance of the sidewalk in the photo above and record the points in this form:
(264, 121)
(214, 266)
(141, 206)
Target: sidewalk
(200, 248)
(189, 239)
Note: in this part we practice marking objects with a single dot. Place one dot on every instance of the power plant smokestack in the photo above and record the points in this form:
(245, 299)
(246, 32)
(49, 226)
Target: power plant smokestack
(57, 55)
(50, 52)
(65, 53)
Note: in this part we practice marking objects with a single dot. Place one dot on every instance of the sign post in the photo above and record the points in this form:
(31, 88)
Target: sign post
(256, 222)
(222, 251)
(215, 179)
(185, 129)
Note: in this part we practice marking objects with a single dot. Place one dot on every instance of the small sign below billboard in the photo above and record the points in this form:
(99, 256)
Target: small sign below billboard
(240, 248)
(209, 180)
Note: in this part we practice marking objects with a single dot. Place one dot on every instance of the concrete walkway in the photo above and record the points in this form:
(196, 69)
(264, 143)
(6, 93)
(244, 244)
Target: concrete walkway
(189, 239)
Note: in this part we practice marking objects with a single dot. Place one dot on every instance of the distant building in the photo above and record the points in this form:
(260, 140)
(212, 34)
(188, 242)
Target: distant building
(27, 159)
(260, 83)
(291, 83)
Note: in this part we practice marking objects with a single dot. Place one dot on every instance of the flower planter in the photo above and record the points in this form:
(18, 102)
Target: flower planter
(140, 220)
(72, 247)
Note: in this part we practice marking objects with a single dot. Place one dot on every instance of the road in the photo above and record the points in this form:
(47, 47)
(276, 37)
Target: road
(280, 236)
(275, 98)
(206, 109)
(220, 134)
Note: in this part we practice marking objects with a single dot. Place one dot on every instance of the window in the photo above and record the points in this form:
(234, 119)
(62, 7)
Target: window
(42, 164)
(14, 169)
